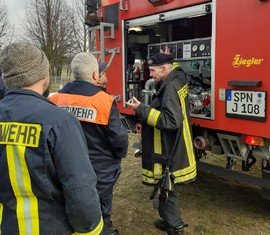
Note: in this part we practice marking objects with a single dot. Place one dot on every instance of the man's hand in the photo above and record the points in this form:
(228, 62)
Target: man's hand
(166, 50)
(133, 103)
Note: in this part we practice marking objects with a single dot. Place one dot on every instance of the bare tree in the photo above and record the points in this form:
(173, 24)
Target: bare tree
(79, 28)
(5, 27)
(49, 24)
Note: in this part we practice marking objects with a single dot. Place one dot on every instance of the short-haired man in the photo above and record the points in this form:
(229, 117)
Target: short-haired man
(48, 185)
(106, 136)
(102, 75)
(167, 149)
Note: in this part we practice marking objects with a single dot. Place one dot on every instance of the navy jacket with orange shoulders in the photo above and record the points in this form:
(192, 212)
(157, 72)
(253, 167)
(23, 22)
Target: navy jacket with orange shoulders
(97, 111)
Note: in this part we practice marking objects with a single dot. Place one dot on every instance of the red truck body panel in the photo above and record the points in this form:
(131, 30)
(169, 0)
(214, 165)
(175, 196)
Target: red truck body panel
(241, 52)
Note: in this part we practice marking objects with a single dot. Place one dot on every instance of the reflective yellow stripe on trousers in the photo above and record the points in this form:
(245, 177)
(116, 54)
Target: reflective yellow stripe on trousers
(97, 230)
(27, 204)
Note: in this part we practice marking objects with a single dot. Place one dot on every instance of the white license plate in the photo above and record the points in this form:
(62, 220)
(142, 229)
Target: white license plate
(246, 104)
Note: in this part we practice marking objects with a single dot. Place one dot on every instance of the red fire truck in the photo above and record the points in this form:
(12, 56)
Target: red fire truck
(223, 46)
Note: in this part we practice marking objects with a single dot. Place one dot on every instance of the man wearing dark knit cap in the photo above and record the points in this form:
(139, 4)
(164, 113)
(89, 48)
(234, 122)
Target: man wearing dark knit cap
(48, 185)
(167, 149)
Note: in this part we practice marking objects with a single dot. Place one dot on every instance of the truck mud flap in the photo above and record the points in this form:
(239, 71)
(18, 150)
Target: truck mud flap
(263, 182)
(265, 190)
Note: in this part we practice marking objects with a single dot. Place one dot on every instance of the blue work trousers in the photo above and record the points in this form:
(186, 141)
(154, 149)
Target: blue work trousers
(108, 171)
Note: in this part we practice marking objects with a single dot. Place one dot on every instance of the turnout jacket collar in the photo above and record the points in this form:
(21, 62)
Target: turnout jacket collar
(26, 92)
(168, 79)
(80, 87)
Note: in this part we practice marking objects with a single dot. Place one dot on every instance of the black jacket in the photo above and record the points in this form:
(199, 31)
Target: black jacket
(166, 134)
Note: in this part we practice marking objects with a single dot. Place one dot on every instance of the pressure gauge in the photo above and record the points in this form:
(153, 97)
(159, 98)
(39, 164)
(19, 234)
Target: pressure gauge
(202, 47)
(194, 48)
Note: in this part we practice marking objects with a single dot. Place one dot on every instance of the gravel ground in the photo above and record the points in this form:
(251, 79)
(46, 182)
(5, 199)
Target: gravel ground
(210, 205)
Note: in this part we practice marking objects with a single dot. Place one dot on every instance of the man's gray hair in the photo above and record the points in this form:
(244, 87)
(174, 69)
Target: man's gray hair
(83, 66)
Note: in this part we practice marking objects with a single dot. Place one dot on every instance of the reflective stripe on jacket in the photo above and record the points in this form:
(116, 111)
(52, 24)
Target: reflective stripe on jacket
(166, 134)
(47, 181)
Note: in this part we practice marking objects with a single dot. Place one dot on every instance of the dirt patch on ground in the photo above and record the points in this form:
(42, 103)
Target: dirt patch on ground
(210, 205)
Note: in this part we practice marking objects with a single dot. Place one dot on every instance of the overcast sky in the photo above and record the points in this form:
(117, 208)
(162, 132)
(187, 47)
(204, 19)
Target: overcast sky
(16, 9)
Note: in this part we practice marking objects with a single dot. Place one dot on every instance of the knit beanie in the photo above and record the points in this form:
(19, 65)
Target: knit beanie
(23, 64)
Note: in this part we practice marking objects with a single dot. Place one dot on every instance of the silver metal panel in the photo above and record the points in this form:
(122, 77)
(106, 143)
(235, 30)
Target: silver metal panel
(123, 64)
(170, 15)
(213, 63)
(233, 146)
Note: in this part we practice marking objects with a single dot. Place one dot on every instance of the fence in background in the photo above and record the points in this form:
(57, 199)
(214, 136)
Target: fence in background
(58, 82)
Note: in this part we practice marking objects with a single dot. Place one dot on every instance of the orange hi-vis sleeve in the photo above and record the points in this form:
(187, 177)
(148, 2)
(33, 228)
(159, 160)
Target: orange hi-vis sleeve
(94, 109)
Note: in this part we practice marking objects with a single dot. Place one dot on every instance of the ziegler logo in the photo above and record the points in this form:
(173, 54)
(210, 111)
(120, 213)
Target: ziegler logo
(239, 61)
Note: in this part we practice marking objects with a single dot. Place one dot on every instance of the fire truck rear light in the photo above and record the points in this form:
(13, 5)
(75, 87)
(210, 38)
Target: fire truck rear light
(253, 140)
